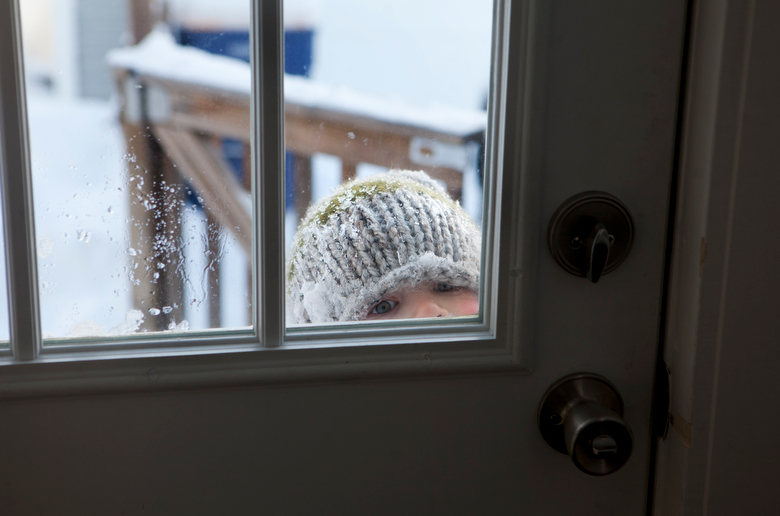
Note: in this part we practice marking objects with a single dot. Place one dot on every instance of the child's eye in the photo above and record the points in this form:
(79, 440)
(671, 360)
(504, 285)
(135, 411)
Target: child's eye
(442, 287)
(384, 306)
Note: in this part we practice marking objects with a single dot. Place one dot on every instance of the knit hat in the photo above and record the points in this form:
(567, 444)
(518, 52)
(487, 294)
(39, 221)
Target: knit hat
(372, 237)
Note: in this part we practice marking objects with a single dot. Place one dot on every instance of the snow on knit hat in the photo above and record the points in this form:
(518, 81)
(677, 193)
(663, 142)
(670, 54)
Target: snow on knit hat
(372, 237)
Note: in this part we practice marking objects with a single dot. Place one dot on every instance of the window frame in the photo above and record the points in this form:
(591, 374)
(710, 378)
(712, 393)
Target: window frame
(499, 341)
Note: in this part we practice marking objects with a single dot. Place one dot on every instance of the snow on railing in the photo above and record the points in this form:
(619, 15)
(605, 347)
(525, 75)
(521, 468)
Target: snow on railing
(160, 57)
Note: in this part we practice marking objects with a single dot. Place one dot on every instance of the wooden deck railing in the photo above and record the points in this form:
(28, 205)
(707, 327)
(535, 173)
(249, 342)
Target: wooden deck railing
(174, 128)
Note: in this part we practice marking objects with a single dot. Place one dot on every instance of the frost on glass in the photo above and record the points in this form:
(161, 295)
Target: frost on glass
(371, 87)
(139, 130)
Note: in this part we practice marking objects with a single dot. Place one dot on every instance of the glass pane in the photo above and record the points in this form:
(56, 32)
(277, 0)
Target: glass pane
(5, 331)
(139, 128)
(371, 87)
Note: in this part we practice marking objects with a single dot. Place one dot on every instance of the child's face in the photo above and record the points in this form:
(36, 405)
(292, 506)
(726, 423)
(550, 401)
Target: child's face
(427, 299)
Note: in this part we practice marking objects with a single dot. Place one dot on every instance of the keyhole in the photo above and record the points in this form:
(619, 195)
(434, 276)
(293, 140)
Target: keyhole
(604, 445)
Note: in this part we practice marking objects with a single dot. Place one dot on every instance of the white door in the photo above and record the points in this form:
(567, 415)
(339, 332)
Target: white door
(427, 444)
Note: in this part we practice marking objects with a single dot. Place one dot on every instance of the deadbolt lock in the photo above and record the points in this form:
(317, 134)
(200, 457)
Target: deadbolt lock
(591, 234)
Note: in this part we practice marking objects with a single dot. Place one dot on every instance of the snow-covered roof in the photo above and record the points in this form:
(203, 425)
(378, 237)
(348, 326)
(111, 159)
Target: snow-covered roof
(159, 56)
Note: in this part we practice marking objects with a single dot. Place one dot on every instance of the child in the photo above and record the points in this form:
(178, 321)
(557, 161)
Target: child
(390, 246)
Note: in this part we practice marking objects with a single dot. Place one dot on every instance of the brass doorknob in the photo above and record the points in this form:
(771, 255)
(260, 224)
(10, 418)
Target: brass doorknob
(582, 415)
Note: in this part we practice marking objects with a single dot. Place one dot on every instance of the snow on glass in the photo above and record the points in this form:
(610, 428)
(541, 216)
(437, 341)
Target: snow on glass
(91, 254)
(121, 248)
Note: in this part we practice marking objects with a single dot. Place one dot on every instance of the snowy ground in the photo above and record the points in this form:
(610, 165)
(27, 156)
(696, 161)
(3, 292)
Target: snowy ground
(82, 228)
(82, 225)
(80, 212)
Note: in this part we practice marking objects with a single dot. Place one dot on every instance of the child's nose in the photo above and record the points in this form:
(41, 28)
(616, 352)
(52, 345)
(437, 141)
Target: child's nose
(428, 307)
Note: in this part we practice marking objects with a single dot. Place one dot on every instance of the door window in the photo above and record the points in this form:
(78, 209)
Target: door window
(159, 159)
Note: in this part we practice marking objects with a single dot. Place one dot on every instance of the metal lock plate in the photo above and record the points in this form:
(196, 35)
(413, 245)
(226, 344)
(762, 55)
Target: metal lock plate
(571, 232)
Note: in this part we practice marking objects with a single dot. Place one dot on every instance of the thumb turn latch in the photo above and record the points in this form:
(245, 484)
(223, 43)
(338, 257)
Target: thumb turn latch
(591, 234)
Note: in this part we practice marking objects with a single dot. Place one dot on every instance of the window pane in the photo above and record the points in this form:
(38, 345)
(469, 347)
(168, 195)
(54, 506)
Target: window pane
(373, 86)
(140, 156)
(4, 326)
